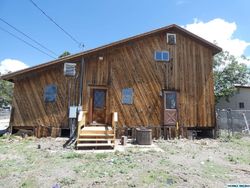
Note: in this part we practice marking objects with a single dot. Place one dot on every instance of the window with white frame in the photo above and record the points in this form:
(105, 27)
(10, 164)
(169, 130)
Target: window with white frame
(162, 56)
(171, 38)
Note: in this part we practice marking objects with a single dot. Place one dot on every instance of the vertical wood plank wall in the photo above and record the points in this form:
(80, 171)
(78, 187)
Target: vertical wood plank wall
(130, 65)
(30, 110)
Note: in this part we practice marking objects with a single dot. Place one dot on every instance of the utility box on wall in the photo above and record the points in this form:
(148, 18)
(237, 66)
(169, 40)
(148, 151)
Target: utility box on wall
(72, 111)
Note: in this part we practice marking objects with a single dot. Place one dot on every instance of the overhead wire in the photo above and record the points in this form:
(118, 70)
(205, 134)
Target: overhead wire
(26, 42)
(38, 43)
(52, 20)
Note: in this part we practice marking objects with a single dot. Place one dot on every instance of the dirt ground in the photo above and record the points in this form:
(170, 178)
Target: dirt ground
(31, 162)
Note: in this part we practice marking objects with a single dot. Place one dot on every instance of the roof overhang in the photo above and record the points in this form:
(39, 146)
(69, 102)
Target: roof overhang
(241, 86)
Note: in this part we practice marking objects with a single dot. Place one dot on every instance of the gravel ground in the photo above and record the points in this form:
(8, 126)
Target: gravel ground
(32, 162)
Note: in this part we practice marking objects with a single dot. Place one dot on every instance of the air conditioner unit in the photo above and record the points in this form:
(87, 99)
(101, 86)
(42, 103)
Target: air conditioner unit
(69, 69)
(171, 38)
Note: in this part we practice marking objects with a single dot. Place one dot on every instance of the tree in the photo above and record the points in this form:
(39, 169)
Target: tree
(228, 71)
(65, 53)
(6, 92)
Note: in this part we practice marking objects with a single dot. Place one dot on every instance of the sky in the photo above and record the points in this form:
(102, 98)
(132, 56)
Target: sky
(95, 23)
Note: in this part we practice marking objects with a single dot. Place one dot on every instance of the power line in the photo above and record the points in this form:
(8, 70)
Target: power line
(26, 42)
(28, 37)
(69, 35)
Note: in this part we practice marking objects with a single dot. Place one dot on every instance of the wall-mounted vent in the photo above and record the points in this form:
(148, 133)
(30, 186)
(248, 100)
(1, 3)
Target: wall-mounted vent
(69, 69)
(171, 38)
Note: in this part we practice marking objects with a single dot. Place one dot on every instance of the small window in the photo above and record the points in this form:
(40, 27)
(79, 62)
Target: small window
(50, 93)
(171, 38)
(127, 96)
(161, 55)
(241, 105)
(170, 100)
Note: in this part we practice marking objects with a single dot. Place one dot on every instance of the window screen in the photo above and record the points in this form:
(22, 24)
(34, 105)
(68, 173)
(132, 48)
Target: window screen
(170, 100)
(127, 96)
(50, 93)
(99, 98)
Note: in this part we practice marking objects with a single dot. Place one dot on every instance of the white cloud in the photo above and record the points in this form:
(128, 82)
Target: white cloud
(11, 65)
(221, 32)
(245, 61)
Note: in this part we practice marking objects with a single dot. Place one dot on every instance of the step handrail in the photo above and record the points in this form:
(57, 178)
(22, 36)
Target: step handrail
(81, 122)
(114, 122)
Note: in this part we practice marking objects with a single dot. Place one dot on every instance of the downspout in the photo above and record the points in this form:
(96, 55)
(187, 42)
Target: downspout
(80, 101)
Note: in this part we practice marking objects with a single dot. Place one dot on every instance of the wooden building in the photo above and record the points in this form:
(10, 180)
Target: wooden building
(162, 78)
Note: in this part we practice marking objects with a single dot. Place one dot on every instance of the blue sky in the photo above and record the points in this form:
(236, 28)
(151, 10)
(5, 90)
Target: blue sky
(98, 22)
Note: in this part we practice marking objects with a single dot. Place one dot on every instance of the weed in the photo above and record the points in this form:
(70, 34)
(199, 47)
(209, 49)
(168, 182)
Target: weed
(156, 177)
(242, 159)
(29, 183)
(172, 152)
(72, 155)
(4, 137)
(231, 159)
(101, 156)
(66, 181)
(237, 135)
(165, 162)
(214, 170)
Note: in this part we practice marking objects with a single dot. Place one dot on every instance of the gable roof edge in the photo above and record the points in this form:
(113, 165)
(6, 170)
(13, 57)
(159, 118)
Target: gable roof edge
(10, 76)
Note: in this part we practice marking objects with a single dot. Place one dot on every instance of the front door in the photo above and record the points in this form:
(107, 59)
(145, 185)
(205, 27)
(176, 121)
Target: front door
(170, 108)
(99, 106)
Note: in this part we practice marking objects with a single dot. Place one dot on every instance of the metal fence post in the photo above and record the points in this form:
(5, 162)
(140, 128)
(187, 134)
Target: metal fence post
(229, 120)
(217, 125)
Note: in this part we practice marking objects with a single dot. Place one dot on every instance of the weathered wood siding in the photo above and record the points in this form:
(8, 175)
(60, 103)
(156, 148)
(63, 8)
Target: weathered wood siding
(30, 110)
(189, 72)
(129, 65)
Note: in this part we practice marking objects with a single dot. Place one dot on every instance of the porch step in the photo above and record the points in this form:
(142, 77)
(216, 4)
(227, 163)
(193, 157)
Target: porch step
(96, 136)
(95, 139)
(96, 124)
(95, 144)
(95, 128)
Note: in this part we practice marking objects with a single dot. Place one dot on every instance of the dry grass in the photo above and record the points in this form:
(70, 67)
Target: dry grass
(183, 163)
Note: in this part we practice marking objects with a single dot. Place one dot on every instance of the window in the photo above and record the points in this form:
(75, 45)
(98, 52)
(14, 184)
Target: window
(171, 38)
(50, 93)
(99, 98)
(127, 96)
(161, 55)
(241, 105)
(170, 100)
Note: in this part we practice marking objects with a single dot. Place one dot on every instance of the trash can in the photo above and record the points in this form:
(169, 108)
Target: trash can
(143, 136)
